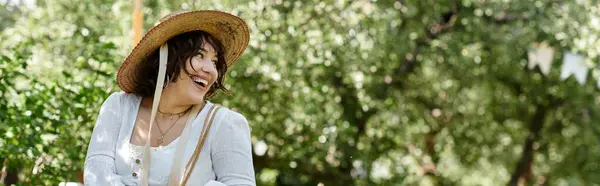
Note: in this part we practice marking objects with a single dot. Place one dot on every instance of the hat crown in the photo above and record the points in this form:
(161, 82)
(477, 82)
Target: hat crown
(172, 14)
(231, 30)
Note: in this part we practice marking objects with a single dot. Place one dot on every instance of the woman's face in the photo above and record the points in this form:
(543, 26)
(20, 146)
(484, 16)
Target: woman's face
(202, 75)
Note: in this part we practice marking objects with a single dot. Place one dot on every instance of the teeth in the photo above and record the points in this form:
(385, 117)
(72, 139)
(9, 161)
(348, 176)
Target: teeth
(200, 80)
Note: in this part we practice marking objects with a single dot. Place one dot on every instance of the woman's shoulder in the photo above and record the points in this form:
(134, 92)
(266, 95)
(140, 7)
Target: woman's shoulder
(230, 114)
(232, 118)
(232, 123)
(119, 98)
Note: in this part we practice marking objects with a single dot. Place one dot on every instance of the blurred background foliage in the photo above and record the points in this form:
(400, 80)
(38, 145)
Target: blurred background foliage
(337, 92)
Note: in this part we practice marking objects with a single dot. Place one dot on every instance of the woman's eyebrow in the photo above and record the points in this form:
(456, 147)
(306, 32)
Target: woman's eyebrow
(202, 49)
(206, 51)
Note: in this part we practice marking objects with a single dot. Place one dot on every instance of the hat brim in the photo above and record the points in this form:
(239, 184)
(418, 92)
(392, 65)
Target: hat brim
(230, 30)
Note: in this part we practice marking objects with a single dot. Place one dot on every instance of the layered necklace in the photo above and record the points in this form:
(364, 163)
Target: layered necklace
(171, 116)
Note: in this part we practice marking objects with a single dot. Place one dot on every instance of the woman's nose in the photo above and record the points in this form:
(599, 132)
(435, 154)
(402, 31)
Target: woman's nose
(204, 69)
(207, 66)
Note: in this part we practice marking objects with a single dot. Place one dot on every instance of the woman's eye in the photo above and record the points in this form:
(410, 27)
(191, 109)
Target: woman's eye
(199, 56)
(214, 63)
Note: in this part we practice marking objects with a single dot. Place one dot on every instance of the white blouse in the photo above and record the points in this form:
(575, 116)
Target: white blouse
(226, 156)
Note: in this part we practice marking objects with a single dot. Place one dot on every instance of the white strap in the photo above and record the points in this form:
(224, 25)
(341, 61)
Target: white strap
(160, 80)
(178, 156)
(208, 120)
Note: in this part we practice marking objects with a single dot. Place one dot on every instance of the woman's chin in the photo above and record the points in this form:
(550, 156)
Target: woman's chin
(197, 97)
(196, 93)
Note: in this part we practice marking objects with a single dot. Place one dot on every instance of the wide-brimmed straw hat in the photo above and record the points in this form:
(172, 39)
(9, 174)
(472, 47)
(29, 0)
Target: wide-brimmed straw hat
(231, 30)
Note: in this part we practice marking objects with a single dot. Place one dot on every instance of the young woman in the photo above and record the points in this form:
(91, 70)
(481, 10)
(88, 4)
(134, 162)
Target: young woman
(161, 130)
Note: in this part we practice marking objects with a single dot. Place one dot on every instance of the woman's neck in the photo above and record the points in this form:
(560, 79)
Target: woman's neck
(170, 103)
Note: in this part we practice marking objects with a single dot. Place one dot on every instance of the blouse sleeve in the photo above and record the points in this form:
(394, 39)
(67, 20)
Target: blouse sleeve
(99, 168)
(231, 151)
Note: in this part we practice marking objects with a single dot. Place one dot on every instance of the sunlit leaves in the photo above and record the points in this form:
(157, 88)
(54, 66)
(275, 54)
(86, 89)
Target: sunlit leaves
(444, 97)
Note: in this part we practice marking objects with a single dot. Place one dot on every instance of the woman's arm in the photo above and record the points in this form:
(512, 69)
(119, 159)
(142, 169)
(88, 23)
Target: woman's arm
(99, 166)
(231, 151)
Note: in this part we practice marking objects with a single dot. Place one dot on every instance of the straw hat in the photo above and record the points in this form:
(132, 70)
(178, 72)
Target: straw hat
(231, 30)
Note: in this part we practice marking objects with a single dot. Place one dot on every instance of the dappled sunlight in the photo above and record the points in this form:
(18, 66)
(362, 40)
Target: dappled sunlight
(363, 92)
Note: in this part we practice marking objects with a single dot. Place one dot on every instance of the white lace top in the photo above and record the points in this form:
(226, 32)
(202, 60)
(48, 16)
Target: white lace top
(111, 160)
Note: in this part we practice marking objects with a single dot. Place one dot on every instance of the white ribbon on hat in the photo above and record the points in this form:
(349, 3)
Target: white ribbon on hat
(160, 80)
(176, 165)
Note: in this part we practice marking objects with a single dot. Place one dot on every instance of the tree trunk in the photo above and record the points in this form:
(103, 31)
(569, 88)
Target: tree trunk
(523, 168)
(12, 177)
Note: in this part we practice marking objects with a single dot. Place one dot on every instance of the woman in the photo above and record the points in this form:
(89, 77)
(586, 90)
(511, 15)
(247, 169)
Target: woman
(161, 130)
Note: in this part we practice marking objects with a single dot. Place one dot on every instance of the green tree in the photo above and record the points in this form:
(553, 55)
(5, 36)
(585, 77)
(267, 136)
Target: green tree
(386, 92)
(54, 76)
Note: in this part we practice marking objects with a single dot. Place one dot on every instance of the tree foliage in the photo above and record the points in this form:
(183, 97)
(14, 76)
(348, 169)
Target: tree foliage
(386, 92)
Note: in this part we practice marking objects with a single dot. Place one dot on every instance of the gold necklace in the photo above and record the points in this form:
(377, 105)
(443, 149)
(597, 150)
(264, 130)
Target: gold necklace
(162, 134)
(176, 114)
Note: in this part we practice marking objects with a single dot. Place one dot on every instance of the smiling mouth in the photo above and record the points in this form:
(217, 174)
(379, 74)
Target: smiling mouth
(200, 81)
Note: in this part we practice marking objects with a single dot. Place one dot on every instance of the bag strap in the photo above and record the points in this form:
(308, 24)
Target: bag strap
(183, 139)
(189, 167)
(160, 80)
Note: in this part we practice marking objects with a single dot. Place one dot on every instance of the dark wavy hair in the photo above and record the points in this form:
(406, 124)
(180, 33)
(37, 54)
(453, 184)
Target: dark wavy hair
(181, 48)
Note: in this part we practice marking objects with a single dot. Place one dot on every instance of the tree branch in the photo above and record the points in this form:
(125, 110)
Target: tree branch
(523, 167)
(409, 64)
